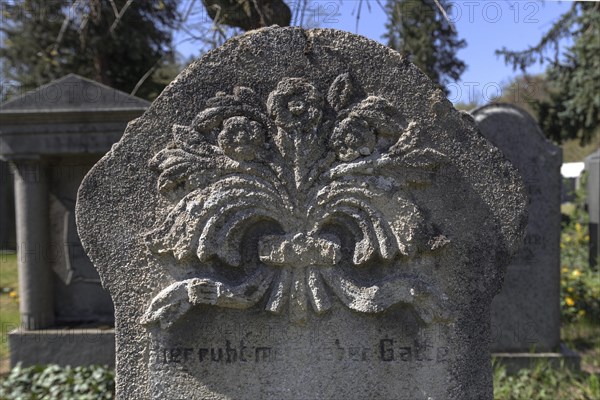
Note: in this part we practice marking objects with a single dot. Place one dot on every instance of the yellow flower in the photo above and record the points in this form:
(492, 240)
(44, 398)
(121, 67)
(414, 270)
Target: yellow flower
(576, 273)
(570, 290)
(564, 270)
(570, 302)
(581, 313)
(578, 227)
(12, 294)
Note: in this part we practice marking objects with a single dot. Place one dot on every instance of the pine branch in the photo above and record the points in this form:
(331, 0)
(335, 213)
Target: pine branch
(525, 58)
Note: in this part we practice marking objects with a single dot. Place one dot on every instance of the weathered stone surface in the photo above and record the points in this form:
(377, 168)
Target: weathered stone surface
(526, 313)
(302, 215)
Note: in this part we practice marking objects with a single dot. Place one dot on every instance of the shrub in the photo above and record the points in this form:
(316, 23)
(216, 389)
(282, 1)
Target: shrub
(53, 382)
(580, 284)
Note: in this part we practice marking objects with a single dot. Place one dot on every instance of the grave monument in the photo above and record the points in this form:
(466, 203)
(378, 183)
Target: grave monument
(302, 214)
(592, 166)
(526, 313)
(52, 136)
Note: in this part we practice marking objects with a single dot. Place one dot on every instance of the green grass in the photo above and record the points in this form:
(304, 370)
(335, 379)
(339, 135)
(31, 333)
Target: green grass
(585, 338)
(544, 382)
(9, 305)
(8, 269)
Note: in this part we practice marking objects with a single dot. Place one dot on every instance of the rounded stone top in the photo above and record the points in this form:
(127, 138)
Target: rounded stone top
(508, 123)
(326, 105)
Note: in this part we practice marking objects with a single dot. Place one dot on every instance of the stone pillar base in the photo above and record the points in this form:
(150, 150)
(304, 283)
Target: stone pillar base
(516, 361)
(74, 347)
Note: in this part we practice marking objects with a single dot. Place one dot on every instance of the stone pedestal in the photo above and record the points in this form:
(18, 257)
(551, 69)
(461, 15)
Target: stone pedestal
(62, 346)
(564, 357)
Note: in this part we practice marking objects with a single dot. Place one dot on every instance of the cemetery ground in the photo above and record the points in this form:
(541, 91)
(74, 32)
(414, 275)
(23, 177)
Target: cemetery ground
(9, 303)
(580, 305)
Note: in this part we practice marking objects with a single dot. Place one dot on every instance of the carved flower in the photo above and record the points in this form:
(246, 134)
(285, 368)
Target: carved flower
(353, 137)
(357, 133)
(310, 218)
(241, 138)
(295, 105)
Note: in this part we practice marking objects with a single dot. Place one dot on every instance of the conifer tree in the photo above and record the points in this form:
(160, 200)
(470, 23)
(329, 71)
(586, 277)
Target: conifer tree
(572, 110)
(419, 29)
(118, 42)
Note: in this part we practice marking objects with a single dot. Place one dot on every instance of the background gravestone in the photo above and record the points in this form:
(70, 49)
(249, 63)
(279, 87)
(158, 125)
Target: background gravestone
(592, 165)
(52, 136)
(526, 313)
(327, 227)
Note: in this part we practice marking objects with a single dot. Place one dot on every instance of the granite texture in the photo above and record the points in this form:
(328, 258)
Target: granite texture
(526, 313)
(302, 214)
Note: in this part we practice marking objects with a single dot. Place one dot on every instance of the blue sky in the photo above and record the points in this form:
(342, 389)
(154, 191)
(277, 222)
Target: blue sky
(486, 25)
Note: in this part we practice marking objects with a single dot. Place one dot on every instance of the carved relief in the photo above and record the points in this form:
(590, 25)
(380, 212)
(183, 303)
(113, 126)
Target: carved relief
(297, 193)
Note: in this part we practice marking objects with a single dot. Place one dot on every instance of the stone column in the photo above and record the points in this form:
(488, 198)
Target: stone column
(7, 209)
(35, 276)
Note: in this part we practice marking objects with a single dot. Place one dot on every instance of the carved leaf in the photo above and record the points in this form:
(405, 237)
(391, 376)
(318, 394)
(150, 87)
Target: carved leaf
(198, 224)
(343, 198)
(177, 166)
(341, 92)
(425, 159)
(380, 114)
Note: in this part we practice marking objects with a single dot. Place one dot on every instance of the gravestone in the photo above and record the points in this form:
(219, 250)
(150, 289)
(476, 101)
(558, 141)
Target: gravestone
(325, 227)
(52, 136)
(592, 166)
(526, 313)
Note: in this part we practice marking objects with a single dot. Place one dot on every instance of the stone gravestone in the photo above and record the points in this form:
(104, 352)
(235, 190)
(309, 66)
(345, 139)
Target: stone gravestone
(51, 137)
(526, 313)
(592, 166)
(327, 227)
